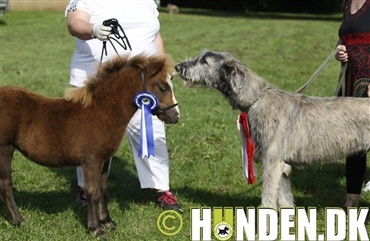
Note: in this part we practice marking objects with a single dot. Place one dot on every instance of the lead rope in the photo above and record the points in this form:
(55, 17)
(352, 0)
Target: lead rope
(341, 83)
(118, 33)
(318, 71)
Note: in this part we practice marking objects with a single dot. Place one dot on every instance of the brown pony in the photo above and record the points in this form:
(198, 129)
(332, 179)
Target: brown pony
(84, 128)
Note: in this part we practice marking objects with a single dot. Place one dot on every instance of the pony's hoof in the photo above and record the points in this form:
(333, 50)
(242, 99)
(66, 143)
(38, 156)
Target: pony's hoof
(17, 222)
(109, 224)
(99, 232)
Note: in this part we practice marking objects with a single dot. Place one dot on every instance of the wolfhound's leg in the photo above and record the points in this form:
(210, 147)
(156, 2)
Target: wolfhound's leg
(92, 175)
(6, 186)
(271, 176)
(103, 208)
(285, 198)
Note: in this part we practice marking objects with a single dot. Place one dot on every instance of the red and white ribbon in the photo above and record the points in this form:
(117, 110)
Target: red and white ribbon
(247, 149)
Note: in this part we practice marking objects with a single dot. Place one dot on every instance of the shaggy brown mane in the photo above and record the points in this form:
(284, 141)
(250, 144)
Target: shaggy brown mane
(85, 94)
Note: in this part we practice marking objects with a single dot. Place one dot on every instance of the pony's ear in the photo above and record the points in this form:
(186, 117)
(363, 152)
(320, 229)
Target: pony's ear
(155, 64)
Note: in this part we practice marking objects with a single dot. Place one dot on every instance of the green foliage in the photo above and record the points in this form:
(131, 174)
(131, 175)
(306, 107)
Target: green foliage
(292, 6)
(204, 146)
(282, 6)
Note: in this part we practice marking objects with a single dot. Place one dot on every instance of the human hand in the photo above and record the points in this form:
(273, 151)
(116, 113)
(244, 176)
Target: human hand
(342, 55)
(101, 32)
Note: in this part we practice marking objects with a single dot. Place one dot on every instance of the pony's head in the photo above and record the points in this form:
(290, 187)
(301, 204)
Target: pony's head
(156, 79)
(127, 76)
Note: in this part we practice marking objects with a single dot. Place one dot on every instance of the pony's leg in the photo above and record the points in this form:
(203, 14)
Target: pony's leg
(285, 192)
(103, 208)
(6, 187)
(271, 177)
(92, 176)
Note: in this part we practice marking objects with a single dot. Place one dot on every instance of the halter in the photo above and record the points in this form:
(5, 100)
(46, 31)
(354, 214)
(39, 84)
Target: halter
(148, 104)
(119, 33)
(159, 109)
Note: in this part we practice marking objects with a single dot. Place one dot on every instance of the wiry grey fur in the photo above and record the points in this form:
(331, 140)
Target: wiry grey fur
(286, 128)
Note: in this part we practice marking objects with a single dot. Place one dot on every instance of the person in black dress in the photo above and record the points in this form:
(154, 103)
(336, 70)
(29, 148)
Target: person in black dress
(354, 45)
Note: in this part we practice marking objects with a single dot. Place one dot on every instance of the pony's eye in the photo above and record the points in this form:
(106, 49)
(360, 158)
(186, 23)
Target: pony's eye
(163, 88)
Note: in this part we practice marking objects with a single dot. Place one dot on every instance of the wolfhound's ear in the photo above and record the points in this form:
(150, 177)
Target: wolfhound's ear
(235, 74)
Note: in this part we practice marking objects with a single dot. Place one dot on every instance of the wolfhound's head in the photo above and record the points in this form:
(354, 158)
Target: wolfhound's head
(219, 70)
(241, 86)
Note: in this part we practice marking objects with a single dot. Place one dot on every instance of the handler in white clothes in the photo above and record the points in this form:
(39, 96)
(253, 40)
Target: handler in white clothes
(139, 19)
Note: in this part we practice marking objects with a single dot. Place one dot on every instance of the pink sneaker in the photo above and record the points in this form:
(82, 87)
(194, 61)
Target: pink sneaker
(167, 201)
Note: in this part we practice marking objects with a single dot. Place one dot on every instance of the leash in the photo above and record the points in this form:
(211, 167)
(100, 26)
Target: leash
(342, 83)
(144, 100)
(318, 71)
(118, 33)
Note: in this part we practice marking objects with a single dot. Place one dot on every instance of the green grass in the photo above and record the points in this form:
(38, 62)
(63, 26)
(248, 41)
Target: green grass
(204, 146)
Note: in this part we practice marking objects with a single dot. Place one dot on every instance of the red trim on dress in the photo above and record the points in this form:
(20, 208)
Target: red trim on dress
(358, 38)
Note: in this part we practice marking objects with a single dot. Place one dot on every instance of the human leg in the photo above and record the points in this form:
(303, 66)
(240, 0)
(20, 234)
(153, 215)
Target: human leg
(153, 172)
(355, 173)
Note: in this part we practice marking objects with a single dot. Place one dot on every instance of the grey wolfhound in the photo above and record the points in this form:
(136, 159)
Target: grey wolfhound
(286, 128)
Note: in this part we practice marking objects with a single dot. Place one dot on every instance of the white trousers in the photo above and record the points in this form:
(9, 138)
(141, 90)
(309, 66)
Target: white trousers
(153, 172)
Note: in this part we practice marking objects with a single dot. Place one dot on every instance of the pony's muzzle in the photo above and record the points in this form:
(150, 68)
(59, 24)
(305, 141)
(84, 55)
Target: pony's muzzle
(170, 114)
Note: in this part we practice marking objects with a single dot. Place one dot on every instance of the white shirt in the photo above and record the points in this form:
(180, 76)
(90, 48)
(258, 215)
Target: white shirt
(138, 18)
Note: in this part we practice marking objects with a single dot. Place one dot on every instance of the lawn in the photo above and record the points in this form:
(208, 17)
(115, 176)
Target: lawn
(204, 146)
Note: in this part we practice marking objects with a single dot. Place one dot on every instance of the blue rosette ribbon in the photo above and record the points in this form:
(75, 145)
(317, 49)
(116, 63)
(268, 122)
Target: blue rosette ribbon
(147, 102)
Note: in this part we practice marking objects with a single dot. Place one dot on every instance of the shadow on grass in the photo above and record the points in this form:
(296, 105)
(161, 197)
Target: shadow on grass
(123, 186)
(207, 198)
(317, 186)
(322, 185)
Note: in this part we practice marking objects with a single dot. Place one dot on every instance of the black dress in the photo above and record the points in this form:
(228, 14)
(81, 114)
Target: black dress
(355, 35)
